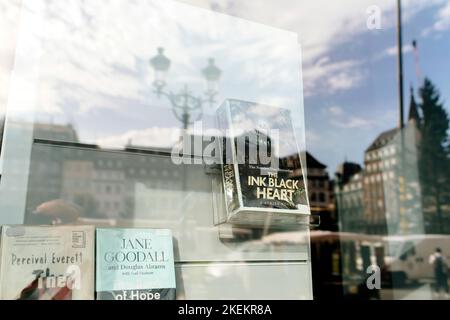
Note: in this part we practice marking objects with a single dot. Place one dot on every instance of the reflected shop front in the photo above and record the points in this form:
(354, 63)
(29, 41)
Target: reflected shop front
(222, 149)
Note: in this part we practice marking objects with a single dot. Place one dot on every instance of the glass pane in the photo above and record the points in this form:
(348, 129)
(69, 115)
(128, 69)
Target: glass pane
(120, 112)
(102, 98)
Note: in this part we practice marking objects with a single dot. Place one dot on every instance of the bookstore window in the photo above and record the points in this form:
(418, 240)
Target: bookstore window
(288, 161)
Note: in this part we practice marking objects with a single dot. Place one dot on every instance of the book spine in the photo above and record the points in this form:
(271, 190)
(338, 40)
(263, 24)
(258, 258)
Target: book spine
(229, 176)
(230, 188)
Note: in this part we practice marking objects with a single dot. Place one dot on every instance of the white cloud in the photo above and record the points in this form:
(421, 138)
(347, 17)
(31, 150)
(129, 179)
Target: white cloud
(442, 22)
(339, 118)
(9, 21)
(96, 55)
(96, 58)
(325, 77)
(392, 51)
(155, 137)
(353, 122)
(345, 80)
(444, 18)
(335, 110)
(322, 26)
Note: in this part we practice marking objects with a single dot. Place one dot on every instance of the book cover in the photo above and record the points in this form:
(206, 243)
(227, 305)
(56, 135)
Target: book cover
(262, 172)
(47, 263)
(135, 264)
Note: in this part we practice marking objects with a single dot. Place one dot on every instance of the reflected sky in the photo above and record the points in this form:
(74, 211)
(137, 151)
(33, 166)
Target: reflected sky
(94, 69)
(95, 64)
(349, 72)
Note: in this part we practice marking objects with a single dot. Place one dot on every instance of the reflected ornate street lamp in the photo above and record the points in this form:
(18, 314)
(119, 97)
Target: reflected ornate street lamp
(161, 65)
(184, 103)
(212, 75)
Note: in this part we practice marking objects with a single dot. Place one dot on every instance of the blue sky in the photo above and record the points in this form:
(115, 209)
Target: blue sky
(349, 71)
(374, 101)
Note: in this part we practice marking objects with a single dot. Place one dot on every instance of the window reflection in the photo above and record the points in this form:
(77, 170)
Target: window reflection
(97, 148)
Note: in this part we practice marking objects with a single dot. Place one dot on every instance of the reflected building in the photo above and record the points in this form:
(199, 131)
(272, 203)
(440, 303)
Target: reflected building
(385, 196)
(318, 184)
(55, 132)
(320, 190)
(392, 198)
(102, 183)
(46, 177)
(380, 162)
(349, 195)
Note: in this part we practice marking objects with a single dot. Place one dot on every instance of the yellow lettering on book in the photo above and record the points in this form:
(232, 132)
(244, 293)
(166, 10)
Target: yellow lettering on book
(274, 194)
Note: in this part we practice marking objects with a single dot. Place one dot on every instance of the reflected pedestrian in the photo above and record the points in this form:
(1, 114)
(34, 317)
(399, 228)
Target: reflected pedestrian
(440, 272)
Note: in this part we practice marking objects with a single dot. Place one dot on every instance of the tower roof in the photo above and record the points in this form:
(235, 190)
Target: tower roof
(347, 170)
(312, 162)
(383, 139)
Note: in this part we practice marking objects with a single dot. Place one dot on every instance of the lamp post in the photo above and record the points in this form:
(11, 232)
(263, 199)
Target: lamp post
(212, 75)
(404, 224)
(184, 103)
(400, 64)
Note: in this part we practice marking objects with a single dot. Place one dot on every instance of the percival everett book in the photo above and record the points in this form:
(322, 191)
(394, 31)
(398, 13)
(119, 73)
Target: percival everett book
(47, 262)
(135, 264)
